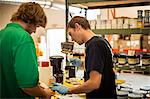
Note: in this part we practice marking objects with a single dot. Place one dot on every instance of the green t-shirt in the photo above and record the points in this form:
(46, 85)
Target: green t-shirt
(18, 62)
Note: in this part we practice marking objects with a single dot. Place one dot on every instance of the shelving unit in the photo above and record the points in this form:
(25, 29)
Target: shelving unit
(122, 31)
(102, 4)
(96, 4)
(126, 50)
(133, 68)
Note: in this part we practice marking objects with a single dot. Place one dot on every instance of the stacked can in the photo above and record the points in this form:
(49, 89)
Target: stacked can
(146, 18)
(140, 19)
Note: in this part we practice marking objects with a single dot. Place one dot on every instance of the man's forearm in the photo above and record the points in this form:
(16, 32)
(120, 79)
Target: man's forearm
(84, 88)
(35, 91)
(90, 85)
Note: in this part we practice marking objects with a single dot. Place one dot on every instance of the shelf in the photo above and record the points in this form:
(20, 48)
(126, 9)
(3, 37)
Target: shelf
(126, 50)
(122, 31)
(133, 68)
(95, 4)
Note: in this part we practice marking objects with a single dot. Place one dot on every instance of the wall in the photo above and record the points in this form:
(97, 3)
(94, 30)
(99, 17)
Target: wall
(5, 14)
(56, 18)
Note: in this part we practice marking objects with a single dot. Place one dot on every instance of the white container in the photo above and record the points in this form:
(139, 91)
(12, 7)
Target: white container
(98, 25)
(45, 74)
(120, 23)
(133, 23)
(108, 24)
(93, 24)
(126, 23)
(114, 23)
(103, 24)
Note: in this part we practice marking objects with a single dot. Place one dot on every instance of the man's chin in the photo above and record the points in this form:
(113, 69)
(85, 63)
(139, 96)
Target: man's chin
(80, 43)
(30, 32)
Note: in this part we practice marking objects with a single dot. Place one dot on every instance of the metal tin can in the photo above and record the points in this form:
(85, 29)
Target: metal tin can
(135, 96)
(134, 60)
(147, 18)
(146, 60)
(122, 59)
(140, 19)
(122, 95)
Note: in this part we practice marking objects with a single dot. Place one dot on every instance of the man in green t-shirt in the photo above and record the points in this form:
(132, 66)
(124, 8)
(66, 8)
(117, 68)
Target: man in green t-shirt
(19, 76)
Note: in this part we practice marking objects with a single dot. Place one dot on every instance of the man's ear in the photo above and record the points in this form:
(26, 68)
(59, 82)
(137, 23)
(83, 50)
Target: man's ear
(77, 26)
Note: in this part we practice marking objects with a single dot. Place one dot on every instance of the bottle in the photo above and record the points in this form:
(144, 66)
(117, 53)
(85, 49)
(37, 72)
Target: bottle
(140, 19)
(146, 18)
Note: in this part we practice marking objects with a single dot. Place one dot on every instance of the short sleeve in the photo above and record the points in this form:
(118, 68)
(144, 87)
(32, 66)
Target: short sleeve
(95, 57)
(26, 66)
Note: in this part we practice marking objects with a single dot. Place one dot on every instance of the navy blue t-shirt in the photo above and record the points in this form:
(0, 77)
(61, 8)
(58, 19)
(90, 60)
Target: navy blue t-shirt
(99, 58)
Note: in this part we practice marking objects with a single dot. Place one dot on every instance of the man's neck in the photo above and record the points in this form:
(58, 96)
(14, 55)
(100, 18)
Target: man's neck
(23, 24)
(88, 35)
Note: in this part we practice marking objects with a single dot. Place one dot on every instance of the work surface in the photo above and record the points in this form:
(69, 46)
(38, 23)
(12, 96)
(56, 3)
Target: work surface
(134, 80)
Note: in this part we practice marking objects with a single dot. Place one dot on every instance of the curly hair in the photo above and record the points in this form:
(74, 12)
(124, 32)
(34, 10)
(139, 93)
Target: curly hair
(31, 13)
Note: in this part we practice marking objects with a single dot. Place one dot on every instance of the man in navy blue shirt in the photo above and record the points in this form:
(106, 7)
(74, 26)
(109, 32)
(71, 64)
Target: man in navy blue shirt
(99, 75)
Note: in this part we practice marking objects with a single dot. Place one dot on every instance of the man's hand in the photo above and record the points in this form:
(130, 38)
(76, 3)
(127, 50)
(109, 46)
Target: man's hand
(48, 94)
(59, 88)
(76, 62)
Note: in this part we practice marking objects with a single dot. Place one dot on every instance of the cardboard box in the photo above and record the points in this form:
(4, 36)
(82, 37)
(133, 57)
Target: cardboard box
(115, 45)
(135, 44)
(146, 42)
(135, 37)
(124, 44)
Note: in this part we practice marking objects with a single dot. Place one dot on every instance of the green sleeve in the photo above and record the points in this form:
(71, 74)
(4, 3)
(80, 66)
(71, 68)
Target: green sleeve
(26, 66)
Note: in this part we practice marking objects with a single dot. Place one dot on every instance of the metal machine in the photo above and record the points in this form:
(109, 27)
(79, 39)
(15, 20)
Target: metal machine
(56, 62)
